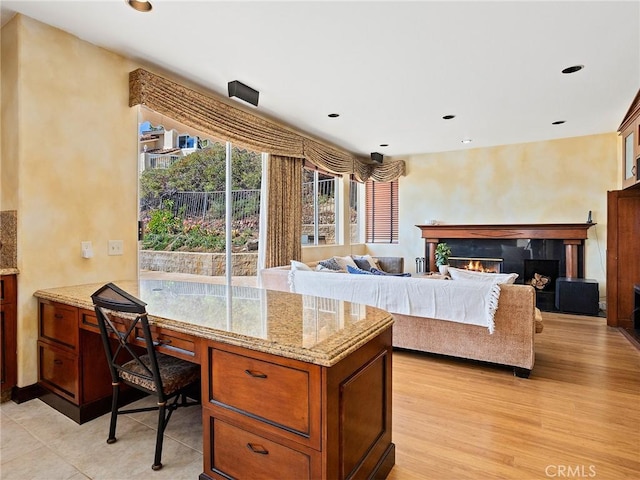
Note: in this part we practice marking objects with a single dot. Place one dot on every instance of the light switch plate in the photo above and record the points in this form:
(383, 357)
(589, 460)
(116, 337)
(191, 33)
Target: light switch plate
(87, 249)
(116, 247)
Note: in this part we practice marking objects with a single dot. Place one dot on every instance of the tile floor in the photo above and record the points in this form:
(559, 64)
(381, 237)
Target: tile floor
(37, 442)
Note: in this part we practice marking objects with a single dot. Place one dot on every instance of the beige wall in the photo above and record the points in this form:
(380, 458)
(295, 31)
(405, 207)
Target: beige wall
(556, 181)
(74, 164)
(9, 137)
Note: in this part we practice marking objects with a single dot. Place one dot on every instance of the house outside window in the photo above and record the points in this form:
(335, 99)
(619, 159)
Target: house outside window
(381, 212)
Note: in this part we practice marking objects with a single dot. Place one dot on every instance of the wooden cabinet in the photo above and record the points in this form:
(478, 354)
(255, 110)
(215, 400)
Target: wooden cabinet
(623, 255)
(623, 225)
(8, 335)
(630, 132)
(72, 367)
(267, 416)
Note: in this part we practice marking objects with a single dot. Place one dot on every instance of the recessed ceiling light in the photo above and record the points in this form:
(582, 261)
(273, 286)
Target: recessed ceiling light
(333, 115)
(140, 5)
(558, 122)
(384, 144)
(573, 69)
(466, 140)
(449, 117)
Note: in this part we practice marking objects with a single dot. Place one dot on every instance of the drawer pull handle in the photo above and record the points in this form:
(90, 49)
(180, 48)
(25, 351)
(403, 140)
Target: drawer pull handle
(58, 315)
(257, 449)
(57, 362)
(255, 374)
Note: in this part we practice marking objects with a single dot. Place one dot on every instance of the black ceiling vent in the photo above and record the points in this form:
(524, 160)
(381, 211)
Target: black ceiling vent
(377, 157)
(243, 92)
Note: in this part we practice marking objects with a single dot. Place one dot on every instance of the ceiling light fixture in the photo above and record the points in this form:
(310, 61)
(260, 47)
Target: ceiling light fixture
(140, 5)
(573, 69)
(466, 140)
(558, 122)
(384, 144)
(448, 117)
(333, 115)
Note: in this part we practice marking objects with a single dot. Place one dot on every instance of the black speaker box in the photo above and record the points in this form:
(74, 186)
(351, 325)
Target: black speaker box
(243, 92)
(377, 157)
(577, 295)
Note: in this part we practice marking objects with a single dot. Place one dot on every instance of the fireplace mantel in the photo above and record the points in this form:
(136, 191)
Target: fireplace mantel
(573, 234)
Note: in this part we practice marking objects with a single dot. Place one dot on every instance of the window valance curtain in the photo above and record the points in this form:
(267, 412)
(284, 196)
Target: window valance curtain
(211, 115)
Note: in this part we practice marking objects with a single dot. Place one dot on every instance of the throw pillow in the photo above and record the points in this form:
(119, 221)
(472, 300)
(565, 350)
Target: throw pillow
(357, 271)
(462, 274)
(365, 262)
(344, 261)
(375, 271)
(331, 264)
(295, 265)
(321, 268)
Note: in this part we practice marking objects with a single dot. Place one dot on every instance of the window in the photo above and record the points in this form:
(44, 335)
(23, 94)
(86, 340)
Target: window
(356, 215)
(382, 212)
(319, 207)
(183, 204)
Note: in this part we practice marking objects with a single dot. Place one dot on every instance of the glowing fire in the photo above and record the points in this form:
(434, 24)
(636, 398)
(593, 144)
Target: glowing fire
(477, 266)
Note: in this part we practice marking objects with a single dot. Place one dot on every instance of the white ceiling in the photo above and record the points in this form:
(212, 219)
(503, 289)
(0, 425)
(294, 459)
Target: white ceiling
(391, 69)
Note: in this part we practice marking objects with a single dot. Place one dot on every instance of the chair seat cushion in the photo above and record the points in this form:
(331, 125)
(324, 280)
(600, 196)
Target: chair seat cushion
(175, 373)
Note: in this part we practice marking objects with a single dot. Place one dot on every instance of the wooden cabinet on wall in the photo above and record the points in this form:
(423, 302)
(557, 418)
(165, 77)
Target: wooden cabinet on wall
(8, 335)
(623, 225)
(630, 132)
(267, 416)
(623, 254)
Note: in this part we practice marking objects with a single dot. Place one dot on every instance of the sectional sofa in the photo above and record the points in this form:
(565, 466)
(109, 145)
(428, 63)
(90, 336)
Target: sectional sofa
(511, 343)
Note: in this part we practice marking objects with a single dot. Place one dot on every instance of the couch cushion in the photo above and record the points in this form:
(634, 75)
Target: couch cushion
(295, 265)
(344, 261)
(330, 263)
(358, 271)
(365, 262)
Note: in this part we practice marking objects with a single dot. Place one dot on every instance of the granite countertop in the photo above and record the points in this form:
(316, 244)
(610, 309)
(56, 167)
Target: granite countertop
(311, 329)
(9, 271)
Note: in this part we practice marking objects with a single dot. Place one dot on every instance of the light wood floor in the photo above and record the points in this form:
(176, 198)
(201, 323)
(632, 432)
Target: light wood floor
(577, 416)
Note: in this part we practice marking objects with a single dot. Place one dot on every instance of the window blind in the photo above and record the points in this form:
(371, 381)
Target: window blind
(382, 212)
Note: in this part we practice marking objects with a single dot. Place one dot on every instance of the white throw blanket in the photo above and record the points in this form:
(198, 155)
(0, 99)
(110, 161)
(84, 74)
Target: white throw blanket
(463, 301)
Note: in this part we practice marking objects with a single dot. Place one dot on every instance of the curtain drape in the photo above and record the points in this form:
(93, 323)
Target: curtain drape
(284, 215)
(211, 115)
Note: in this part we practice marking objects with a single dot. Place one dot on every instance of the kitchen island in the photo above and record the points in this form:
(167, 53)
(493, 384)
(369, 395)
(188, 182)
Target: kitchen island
(293, 386)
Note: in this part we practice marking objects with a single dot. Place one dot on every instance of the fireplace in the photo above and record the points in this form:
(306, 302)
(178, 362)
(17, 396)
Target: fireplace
(550, 250)
(477, 264)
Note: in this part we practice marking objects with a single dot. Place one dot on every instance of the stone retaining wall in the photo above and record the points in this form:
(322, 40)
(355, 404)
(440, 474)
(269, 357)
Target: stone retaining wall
(212, 264)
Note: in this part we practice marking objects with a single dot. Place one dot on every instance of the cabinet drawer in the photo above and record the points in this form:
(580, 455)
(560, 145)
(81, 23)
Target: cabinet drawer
(243, 383)
(175, 344)
(240, 454)
(59, 324)
(8, 289)
(89, 321)
(58, 370)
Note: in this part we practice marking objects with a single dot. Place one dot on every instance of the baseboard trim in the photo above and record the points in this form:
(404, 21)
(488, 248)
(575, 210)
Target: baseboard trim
(24, 394)
(631, 335)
